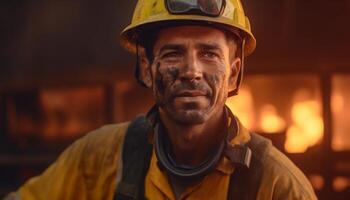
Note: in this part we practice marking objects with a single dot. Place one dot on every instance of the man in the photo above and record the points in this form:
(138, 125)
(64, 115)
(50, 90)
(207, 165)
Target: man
(189, 145)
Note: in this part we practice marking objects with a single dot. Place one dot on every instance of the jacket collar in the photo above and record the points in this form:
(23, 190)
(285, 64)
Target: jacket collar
(238, 135)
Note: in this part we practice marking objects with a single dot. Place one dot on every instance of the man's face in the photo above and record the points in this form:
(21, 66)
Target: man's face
(192, 72)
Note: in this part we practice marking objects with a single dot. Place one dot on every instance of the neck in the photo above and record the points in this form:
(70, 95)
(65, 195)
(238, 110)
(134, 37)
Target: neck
(192, 144)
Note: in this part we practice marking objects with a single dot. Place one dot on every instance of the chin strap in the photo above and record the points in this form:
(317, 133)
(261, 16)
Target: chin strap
(137, 67)
(239, 155)
(240, 74)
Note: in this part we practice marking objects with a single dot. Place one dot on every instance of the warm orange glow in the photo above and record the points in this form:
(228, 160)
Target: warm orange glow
(341, 183)
(303, 127)
(317, 181)
(341, 116)
(337, 102)
(242, 106)
(69, 112)
(270, 122)
(307, 127)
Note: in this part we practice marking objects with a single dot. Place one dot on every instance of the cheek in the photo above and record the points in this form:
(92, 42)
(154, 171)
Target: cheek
(165, 77)
(216, 78)
(170, 74)
(213, 79)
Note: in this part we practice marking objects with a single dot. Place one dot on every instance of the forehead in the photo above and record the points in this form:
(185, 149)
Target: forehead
(190, 35)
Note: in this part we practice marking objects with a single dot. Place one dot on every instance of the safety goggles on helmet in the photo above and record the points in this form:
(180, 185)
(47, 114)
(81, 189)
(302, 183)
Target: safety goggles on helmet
(211, 8)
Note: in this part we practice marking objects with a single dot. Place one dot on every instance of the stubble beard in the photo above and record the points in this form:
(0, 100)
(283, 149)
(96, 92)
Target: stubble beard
(188, 114)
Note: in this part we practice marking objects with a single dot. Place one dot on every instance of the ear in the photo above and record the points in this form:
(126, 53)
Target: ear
(234, 69)
(144, 65)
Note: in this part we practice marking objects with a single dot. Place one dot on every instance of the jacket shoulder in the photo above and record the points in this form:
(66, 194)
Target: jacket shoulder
(102, 149)
(283, 178)
(104, 136)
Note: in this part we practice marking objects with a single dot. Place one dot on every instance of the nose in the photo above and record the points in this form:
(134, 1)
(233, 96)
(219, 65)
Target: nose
(192, 70)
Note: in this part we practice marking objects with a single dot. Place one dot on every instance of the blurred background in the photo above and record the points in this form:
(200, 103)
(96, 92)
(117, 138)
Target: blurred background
(63, 73)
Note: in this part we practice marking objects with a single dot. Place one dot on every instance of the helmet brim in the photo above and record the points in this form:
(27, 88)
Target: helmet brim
(129, 35)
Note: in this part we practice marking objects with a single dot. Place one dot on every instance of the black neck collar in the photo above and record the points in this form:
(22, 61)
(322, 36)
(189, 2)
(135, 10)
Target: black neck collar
(163, 148)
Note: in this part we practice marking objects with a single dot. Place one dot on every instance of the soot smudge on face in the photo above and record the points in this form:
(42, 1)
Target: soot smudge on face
(213, 79)
(174, 72)
(166, 78)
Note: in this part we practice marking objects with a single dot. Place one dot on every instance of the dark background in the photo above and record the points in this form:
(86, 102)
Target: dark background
(69, 43)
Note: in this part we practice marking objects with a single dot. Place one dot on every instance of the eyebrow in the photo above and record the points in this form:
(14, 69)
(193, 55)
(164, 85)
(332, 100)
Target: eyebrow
(182, 48)
(206, 46)
(177, 47)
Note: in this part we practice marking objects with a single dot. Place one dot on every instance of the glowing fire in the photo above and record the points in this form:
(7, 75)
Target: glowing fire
(304, 129)
(243, 107)
(307, 127)
(270, 122)
(337, 102)
(341, 118)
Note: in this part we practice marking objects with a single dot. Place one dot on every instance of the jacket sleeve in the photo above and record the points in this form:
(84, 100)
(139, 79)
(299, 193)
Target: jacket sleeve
(62, 180)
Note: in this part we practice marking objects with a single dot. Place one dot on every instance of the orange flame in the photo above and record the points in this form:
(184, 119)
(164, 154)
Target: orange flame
(243, 107)
(307, 127)
(340, 122)
(270, 121)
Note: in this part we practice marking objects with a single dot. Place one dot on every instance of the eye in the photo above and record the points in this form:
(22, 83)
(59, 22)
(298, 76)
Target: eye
(210, 55)
(172, 55)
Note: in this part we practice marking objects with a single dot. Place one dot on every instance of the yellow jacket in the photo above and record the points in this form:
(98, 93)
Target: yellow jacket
(91, 168)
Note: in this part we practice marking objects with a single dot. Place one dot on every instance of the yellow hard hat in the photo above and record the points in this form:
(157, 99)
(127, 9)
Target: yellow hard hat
(150, 13)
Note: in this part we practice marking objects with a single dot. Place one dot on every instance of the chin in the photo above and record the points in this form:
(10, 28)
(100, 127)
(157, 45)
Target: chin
(190, 117)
